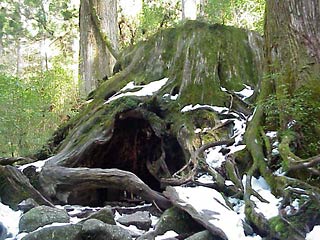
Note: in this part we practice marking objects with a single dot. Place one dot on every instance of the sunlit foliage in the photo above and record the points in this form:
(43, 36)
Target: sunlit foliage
(32, 108)
(247, 14)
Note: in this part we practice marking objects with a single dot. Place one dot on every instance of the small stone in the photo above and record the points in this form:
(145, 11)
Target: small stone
(105, 215)
(27, 205)
(98, 230)
(3, 232)
(139, 219)
(41, 216)
(204, 235)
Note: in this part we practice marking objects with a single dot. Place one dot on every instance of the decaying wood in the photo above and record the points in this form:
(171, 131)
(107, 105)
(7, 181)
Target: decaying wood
(71, 179)
(11, 160)
(15, 187)
(194, 163)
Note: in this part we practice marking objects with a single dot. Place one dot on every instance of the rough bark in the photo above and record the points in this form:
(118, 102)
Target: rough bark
(98, 42)
(15, 187)
(292, 65)
(150, 136)
(73, 179)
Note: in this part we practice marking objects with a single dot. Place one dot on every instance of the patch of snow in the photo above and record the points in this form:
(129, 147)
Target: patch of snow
(172, 97)
(275, 152)
(129, 86)
(73, 210)
(223, 89)
(10, 219)
(275, 144)
(154, 220)
(197, 106)
(314, 234)
(198, 130)
(295, 204)
(238, 206)
(132, 229)
(293, 207)
(211, 203)
(252, 115)
(229, 183)
(246, 92)
(38, 164)
(269, 209)
(214, 157)
(75, 220)
(272, 134)
(168, 234)
(234, 149)
(295, 188)
(292, 123)
(146, 90)
(52, 225)
(138, 206)
(19, 236)
(205, 179)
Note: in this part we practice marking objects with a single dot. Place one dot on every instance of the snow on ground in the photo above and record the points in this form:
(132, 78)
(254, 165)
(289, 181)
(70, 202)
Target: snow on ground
(168, 234)
(214, 157)
(38, 164)
(197, 106)
(272, 134)
(144, 90)
(209, 202)
(246, 92)
(171, 97)
(10, 219)
(268, 209)
(314, 234)
(205, 179)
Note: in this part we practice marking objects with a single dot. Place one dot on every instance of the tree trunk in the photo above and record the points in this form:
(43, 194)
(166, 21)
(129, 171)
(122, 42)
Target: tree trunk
(293, 56)
(288, 104)
(98, 42)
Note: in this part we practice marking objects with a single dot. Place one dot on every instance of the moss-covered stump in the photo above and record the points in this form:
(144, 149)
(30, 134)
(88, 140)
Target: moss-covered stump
(148, 134)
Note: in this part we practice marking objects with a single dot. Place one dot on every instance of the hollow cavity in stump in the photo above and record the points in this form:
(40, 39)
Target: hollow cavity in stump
(132, 145)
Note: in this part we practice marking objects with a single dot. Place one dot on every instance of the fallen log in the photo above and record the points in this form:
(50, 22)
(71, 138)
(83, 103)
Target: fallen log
(73, 179)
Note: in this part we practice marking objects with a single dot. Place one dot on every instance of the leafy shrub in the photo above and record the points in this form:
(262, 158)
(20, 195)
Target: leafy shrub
(300, 112)
(32, 108)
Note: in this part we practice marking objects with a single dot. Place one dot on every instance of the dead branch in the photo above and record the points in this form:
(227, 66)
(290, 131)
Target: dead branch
(12, 160)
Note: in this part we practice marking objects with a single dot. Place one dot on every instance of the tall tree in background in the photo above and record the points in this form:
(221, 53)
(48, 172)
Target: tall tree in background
(289, 104)
(293, 55)
(98, 41)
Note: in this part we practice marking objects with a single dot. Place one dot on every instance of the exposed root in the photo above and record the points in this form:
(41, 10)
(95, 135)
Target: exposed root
(194, 162)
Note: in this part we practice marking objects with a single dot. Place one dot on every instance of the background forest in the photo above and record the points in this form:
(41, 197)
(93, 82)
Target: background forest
(41, 82)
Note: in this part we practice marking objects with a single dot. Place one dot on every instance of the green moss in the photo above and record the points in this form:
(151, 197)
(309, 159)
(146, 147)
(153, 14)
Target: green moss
(178, 221)
(279, 228)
